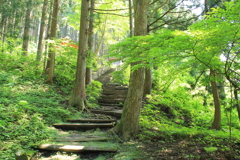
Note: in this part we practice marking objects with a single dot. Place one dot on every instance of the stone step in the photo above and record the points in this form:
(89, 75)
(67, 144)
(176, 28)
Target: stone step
(111, 98)
(115, 113)
(79, 138)
(123, 96)
(82, 126)
(106, 77)
(75, 148)
(111, 101)
(115, 90)
(91, 120)
(111, 87)
(111, 94)
(110, 105)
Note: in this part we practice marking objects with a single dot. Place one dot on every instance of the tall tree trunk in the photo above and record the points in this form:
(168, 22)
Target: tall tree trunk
(101, 39)
(129, 123)
(205, 7)
(217, 114)
(148, 77)
(78, 98)
(3, 33)
(42, 31)
(35, 30)
(26, 32)
(46, 63)
(90, 43)
(52, 36)
(130, 18)
(16, 25)
(237, 102)
(147, 82)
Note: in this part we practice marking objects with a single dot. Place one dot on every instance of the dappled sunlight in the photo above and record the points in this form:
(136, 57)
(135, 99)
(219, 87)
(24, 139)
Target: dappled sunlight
(61, 156)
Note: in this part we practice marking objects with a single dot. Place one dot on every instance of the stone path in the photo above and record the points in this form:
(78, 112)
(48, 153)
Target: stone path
(91, 135)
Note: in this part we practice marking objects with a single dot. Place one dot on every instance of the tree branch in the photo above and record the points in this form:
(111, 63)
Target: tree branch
(160, 5)
(198, 78)
(112, 14)
(170, 23)
(165, 14)
(110, 9)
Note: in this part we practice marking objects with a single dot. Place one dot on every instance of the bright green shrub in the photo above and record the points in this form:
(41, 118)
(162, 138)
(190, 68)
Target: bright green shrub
(65, 67)
(93, 92)
(122, 76)
(19, 129)
(27, 104)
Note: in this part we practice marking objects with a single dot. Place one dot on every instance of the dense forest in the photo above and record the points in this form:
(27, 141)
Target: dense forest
(179, 59)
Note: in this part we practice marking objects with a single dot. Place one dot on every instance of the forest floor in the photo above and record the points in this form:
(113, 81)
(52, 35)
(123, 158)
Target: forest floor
(155, 148)
(185, 149)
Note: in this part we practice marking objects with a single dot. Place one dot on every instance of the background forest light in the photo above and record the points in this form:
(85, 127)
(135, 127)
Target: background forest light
(197, 9)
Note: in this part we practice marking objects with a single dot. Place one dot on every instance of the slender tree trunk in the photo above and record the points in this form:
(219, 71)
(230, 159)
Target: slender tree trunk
(129, 123)
(130, 18)
(78, 98)
(2, 27)
(235, 92)
(35, 30)
(148, 77)
(46, 63)
(205, 7)
(217, 114)
(147, 82)
(65, 32)
(3, 37)
(237, 102)
(42, 31)
(101, 39)
(26, 33)
(53, 35)
(15, 24)
(90, 43)
(13, 19)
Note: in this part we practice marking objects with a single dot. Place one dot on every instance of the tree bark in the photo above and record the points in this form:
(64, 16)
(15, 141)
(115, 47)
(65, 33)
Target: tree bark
(217, 114)
(78, 98)
(129, 123)
(3, 33)
(46, 63)
(52, 36)
(90, 43)
(147, 82)
(130, 18)
(42, 30)
(237, 102)
(27, 28)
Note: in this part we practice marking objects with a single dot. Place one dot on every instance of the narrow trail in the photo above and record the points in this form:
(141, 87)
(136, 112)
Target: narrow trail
(89, 137)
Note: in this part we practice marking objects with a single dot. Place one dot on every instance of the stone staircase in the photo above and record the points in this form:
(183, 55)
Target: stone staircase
(112, 100)
(91, 134)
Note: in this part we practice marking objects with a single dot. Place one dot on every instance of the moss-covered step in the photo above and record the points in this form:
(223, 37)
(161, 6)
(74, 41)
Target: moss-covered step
(88, 136)
(111, 100)
(115, 87)
(77, 148)
(111, 104)
(124, 96)
(114, 92)
(91, 120)
(82, 126)
(81, 139)
(115, 113)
